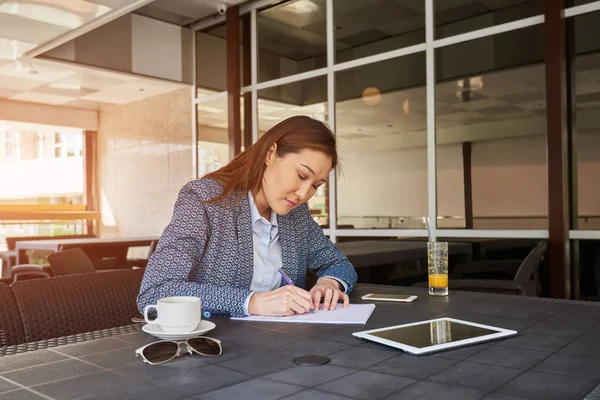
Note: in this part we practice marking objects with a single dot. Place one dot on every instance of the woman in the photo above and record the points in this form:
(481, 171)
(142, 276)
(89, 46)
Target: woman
(233, 229)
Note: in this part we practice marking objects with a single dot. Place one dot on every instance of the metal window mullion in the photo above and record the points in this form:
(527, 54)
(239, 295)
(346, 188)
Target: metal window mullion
(254, 71)
(194, 109)
(332, 217)
(431, 142)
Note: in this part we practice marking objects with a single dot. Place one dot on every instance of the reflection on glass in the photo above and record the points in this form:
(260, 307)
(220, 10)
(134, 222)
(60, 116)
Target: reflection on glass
(381, 125)
(211, 157)
(431, 333)
(453, 18)
(491, 133)
(213, 148)
(587, 120)
(211, 56)
(364, 28)
(440, 332)
(211, 59)
(308, 97)
(291, 39)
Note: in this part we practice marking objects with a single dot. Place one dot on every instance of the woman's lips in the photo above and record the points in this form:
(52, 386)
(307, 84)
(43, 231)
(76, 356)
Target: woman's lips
(290, 203)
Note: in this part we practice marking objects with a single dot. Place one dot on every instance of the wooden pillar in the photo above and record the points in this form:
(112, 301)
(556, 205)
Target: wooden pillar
(233, 80)
(558, 165)
(89, 160)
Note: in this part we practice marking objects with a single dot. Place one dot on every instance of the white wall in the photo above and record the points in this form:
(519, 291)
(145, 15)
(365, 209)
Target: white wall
(394, 183)
(144, 158)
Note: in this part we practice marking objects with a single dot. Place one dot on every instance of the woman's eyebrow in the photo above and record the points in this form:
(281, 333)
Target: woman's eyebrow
(308, 168)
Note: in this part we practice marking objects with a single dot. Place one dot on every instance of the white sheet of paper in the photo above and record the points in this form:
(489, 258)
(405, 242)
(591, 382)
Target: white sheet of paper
(354, 314)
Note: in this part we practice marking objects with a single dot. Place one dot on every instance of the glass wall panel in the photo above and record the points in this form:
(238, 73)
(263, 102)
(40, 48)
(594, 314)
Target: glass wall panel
(364, 28)
(587, 119)
(211, 59)
(291, 39)
(490, 96)
(381, 125)
(456, 17)
(213, 150)
(307, 97)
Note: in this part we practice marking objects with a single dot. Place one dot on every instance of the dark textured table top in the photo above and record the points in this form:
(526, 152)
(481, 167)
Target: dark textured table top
(555, 356)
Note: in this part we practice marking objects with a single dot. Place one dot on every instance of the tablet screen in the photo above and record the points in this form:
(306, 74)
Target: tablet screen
(432, 333)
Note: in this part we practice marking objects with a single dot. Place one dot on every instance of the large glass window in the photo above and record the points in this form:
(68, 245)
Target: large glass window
(291, 39)
(491, 132)
(364, 28)
(587, 121)
(213, 149)
(381, 125)
(456, 17)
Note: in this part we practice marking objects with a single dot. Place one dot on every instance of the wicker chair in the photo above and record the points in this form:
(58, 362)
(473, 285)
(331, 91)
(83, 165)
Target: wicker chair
(11, 329)
(72, 304)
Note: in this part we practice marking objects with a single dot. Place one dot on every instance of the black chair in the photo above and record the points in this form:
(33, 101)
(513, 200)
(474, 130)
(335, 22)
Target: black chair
(70, 262)
(72, 304)
(523, 276)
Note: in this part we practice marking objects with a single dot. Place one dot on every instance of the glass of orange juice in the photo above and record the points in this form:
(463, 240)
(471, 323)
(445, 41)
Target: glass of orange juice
(437, 255)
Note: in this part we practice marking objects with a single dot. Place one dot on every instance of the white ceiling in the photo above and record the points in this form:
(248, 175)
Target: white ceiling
(75, 86)
(27, 24)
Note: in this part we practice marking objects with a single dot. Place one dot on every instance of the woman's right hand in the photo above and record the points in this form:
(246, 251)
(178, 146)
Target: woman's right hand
(286, 300)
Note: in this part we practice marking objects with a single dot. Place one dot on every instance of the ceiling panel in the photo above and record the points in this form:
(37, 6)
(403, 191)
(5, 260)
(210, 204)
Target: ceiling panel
(128, 92)
(20, 84)
(43, 98)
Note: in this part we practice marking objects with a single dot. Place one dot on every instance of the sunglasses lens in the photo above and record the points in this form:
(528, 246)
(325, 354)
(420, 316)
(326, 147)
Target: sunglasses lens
(160, 352)
(205, 346)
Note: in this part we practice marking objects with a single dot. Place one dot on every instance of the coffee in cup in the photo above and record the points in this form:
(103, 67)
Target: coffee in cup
(177, 314)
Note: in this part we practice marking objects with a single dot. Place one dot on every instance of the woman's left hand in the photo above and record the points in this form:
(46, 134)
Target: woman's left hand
(329, 290)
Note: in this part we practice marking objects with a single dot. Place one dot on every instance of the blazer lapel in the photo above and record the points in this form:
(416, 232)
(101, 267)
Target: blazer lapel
(287, 237)
(244, 238)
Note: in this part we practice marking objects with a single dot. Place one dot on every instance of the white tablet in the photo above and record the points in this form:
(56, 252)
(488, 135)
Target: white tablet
(434, 335)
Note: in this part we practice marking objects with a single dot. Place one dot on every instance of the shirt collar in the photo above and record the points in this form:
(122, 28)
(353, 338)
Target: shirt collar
(255, 215)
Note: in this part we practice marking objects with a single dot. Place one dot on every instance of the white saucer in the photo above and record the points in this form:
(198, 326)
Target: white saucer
(155, 330)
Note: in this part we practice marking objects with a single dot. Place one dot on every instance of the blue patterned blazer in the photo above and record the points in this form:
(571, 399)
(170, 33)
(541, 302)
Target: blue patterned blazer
(207, 251)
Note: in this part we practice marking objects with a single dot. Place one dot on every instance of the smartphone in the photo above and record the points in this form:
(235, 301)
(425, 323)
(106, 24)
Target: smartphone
(402, 298)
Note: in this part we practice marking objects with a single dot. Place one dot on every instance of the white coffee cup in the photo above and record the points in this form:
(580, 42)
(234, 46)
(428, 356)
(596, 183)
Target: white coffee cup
(178, 314)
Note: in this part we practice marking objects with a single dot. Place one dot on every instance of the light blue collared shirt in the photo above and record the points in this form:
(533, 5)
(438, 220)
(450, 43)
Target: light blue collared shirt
(267, 253)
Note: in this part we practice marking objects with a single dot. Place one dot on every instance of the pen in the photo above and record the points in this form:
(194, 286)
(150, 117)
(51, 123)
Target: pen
(288, 281)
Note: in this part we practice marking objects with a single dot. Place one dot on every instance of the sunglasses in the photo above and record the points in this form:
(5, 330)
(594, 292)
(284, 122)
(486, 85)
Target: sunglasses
(166, 350)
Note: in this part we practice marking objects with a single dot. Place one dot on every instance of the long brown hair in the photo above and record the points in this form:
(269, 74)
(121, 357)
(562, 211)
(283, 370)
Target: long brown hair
(244, 173)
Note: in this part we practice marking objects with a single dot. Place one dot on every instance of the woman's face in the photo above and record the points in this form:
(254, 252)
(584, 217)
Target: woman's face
(291, 180)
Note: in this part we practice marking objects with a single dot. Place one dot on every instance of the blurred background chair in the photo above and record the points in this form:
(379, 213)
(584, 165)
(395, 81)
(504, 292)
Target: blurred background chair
(9, 257)
(66, 262)
(519, 277)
